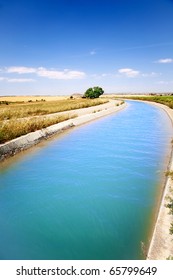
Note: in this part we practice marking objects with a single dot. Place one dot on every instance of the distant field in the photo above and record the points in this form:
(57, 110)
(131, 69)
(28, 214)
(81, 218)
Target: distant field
(163, 99)
(31, 97)
(27, 109)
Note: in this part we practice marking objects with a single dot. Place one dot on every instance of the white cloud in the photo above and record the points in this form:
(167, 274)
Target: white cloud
(105, 75)
(9, 80)
(161, 82)
(164, 82)
(2, 78)
(93, 52)
(165, 60)
(130, 73)
(20, 70)
(20, 80)
(66, 74)
(152, 74)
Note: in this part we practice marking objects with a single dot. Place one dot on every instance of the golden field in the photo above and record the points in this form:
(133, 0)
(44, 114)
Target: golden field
(19, 117)
(26, 98)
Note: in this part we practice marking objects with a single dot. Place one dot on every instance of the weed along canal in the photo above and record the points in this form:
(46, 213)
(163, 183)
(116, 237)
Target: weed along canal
(88, 194)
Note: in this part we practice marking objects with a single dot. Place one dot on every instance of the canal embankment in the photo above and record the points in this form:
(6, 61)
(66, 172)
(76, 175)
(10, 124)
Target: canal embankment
(84, 115)
(161, 244)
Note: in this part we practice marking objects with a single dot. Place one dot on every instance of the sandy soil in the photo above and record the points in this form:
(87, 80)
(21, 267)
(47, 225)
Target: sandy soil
(161, 245)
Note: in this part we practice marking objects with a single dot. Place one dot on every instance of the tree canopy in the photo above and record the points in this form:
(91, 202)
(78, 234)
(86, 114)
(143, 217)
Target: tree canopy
(94, 92)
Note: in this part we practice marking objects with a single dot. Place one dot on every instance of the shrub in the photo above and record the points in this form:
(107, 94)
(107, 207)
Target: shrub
(171, 229)
(94, 92)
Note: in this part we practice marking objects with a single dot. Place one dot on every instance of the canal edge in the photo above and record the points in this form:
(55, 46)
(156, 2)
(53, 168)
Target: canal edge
(15, 146)
(160, 246)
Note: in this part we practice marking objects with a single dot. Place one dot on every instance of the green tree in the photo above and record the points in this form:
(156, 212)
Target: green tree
(94, 92)
(171, 229)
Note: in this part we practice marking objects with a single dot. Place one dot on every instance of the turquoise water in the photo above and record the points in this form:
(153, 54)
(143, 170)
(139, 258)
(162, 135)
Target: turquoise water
(88, 194)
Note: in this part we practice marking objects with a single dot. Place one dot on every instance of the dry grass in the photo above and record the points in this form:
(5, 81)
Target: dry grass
(17, 119)
(35, 98)
(29, 109)
(163, 99)
(14, 128)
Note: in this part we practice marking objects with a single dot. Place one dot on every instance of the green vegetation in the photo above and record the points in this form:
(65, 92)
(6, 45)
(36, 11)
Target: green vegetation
(163, 99)
(169, 173)
(171, 229)
(170, 206)
(12, 129)
(121, 103)
(15, 110)
(170, 258)
(94, 92)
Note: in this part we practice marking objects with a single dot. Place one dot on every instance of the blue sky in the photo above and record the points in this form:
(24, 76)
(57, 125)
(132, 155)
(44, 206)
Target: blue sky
(57, 47)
